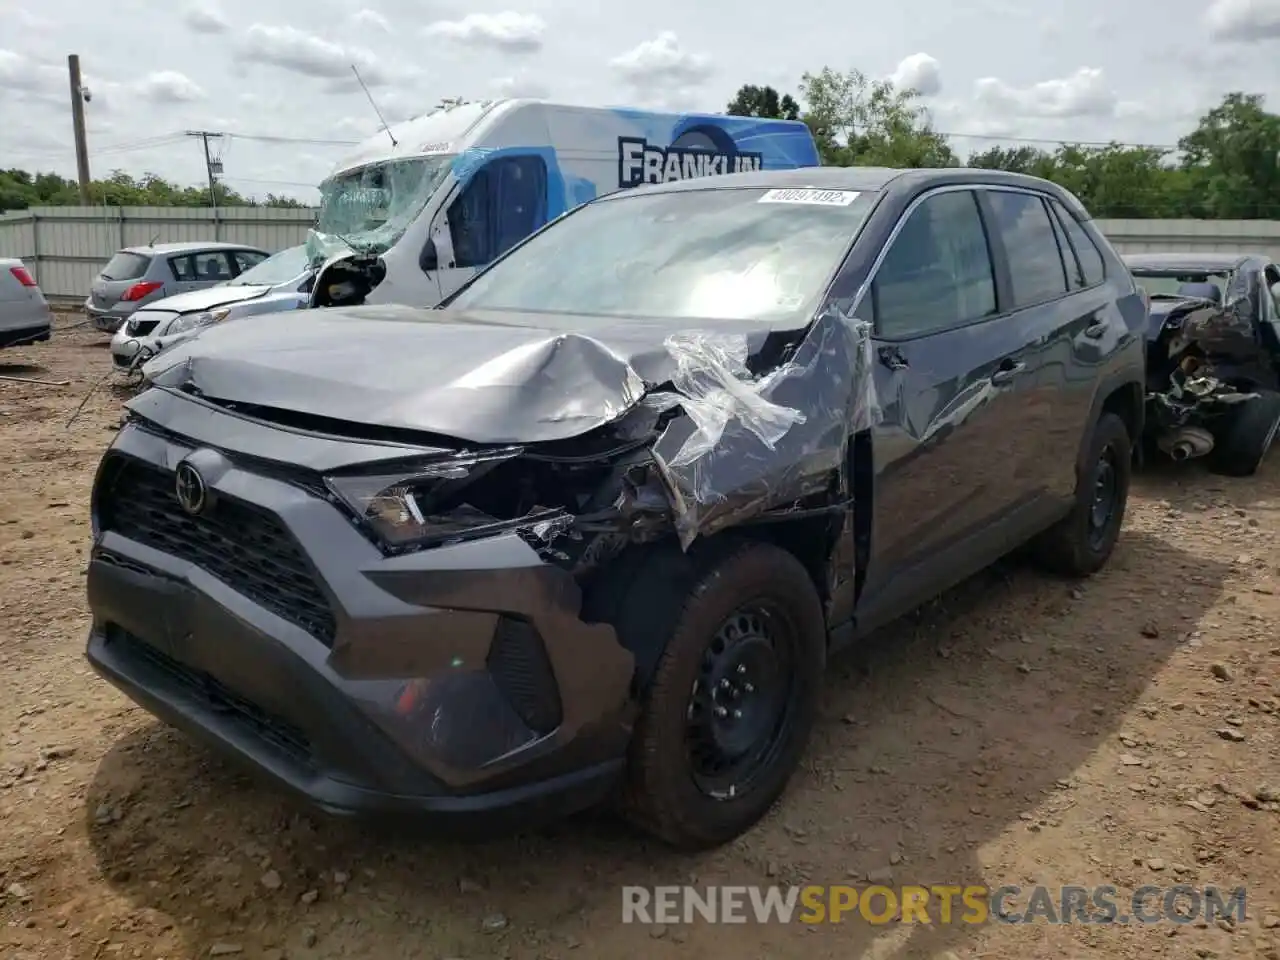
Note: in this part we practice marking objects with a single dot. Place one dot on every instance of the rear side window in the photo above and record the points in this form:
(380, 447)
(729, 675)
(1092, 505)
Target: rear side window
(1075, 276)
(1085, 249)
(938, 272)
(1035, 262)
(126, 266)
(505, 201)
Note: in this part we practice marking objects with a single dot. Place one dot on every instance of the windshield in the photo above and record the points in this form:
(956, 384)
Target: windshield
(698, 254)
(278, 268)
(370, 208)
(1163, 284)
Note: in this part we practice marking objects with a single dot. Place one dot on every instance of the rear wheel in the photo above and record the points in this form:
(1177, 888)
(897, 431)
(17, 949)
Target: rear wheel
(732, 700)
(1246, 436)
(1081, 543)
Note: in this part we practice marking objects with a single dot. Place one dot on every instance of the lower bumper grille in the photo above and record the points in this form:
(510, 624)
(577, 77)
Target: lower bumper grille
(243, 546)
(216, 696)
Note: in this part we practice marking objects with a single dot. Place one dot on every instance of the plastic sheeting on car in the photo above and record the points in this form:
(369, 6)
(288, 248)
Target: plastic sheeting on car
(745, 444)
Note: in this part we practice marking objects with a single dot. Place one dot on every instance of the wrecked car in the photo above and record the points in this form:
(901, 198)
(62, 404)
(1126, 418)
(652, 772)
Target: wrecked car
(1213, 356)
(419, 208)
(280, 282)
(591, 530)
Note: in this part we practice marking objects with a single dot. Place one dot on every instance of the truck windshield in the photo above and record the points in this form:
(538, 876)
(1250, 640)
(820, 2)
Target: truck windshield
(370, 208)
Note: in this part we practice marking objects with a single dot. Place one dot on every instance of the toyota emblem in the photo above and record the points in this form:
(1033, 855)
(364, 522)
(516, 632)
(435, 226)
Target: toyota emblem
(190, 489)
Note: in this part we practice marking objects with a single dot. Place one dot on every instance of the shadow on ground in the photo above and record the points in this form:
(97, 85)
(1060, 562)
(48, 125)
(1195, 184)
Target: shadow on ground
(939, 735)
(19, 368)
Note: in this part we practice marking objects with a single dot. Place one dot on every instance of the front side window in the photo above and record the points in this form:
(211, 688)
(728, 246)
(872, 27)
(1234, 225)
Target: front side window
(1035, 262)
(277, 268)
(748, 254)
(504, 202)
(212, 267)
(938, 272)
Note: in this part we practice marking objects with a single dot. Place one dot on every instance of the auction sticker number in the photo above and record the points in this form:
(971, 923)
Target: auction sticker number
(822, 198)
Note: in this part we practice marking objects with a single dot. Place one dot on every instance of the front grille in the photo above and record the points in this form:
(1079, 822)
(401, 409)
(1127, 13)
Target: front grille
(122, 362)
(216, 696)
(520, 667)
(243, 546)
(140, 328)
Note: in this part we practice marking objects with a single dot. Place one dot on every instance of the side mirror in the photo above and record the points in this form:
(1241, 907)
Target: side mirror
(429, 259)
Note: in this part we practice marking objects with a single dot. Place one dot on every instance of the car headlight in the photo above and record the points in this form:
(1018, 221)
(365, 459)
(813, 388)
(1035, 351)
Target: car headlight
(192, 321)
(421, 504)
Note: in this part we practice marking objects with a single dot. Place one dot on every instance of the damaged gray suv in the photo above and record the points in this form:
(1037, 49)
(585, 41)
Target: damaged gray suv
(591, 530)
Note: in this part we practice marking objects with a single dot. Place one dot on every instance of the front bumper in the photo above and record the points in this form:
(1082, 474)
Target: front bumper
(456, 682)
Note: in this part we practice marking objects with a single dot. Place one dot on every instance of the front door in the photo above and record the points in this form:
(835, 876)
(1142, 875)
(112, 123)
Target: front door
(502, 203)
(942, 448)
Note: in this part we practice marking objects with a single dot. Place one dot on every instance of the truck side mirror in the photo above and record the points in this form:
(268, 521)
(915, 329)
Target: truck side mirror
(429, 259)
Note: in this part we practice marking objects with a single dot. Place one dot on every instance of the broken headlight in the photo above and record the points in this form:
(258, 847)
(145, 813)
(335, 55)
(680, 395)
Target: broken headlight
(420, 504)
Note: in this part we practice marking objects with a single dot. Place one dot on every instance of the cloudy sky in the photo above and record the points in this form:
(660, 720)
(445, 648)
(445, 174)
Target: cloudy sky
(277, 76)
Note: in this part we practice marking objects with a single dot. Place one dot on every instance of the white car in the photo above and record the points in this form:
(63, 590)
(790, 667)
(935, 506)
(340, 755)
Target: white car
(281, 282)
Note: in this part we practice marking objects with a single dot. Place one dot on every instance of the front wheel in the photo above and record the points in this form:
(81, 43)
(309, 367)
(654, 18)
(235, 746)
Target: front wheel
(1242, 444)
(1081, 543)
(732, 700)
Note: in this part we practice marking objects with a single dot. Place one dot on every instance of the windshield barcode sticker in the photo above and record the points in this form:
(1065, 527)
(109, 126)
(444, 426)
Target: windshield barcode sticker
(822, 198)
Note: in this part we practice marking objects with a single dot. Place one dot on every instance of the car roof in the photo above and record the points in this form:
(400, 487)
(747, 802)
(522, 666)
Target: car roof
(165, 249)
(858, 178)
(1214, 260)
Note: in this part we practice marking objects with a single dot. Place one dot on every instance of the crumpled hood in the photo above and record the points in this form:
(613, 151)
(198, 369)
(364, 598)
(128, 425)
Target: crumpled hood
(207, 299)
(483, 377)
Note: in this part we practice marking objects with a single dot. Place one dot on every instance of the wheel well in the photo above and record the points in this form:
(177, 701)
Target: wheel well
(809, 539)
(1126, 402)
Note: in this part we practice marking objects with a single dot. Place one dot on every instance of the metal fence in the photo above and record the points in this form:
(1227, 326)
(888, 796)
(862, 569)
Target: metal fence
(66, 246)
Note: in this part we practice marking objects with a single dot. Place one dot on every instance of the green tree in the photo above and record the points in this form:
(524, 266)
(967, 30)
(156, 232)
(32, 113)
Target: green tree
(20, 189)
(753, 101)
(861, 122)
(1233, 156)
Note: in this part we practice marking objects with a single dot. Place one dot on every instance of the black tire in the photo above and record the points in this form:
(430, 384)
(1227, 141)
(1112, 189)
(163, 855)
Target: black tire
(1246, 435)
(666, 792)
(1081, 543)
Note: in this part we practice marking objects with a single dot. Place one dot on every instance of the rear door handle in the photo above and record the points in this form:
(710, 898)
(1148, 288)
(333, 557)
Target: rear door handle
(1009, 369)
(1096, 331)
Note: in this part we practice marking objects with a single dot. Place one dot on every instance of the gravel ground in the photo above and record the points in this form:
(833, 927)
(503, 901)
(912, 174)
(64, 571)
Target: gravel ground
(1020, 730)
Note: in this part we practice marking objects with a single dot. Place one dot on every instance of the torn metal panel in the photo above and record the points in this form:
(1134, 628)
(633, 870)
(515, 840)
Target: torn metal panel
(747, 445)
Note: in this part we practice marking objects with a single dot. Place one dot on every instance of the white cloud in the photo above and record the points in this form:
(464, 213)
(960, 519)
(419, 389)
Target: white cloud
(19, 72)
(508, 31)
(169, 86)
(919, 72)
(662, 63)
(371, 19)
(205, 17)
(520, 86)
(295, 50)
(1085, 93)
(1244, 21)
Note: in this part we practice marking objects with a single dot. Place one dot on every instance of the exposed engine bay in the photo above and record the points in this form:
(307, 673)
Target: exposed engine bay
(348, 281)
(1206, 356)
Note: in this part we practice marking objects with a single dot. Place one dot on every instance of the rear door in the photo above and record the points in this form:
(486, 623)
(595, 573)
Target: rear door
(944, 449)
(1056, 328)
(121, 272)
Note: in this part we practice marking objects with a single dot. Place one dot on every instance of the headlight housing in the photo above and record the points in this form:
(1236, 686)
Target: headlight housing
(192, 321)
(420, 504)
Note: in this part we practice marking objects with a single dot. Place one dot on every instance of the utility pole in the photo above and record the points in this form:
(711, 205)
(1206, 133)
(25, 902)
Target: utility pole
(78, 97)
(212, 168)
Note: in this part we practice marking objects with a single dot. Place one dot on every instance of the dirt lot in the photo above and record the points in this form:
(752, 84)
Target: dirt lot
(1021, 730)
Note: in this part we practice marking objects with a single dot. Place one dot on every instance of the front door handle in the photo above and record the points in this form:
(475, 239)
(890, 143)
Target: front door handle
(1009, 369)
(1096, 331)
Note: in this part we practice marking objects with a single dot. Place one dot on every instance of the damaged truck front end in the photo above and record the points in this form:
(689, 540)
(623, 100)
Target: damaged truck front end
(1212, 376)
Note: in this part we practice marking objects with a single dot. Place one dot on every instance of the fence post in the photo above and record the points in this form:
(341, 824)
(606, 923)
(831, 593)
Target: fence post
(35, 243)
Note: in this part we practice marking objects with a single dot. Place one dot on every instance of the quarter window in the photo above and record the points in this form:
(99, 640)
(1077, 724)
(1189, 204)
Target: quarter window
(1035, 262)
(1085, 249)
(938, 272)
